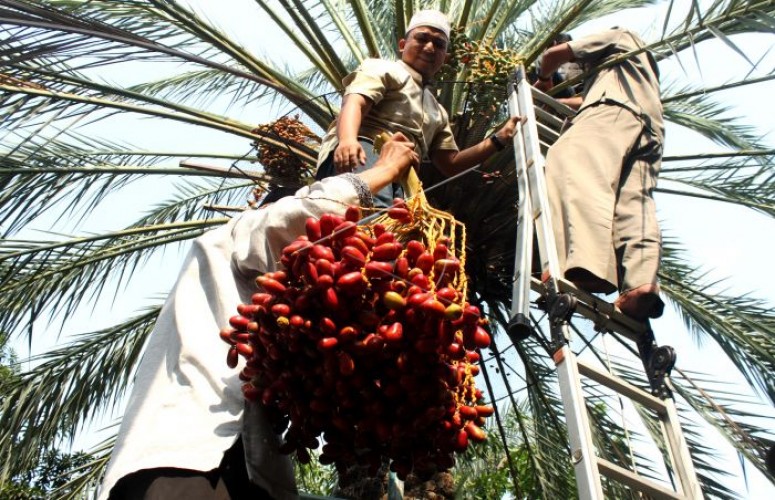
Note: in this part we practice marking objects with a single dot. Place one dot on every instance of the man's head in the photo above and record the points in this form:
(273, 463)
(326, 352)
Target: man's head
(425, 45)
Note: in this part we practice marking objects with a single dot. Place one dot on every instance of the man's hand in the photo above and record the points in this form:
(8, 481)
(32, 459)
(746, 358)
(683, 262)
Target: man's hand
(451, 162)
(544, 85)
(507, 131)
(396, 157)
(398, 153)
(552, 59)
(572, 102)
(348, 155)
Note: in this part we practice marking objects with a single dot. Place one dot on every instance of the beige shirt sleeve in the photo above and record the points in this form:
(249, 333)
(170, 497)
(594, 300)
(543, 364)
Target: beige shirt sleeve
(400, 103)
(632, 83)
(373, 80)
(444, 140)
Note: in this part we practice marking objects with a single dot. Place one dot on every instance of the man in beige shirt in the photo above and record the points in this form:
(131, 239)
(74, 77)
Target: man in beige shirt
(602, 171)
(396, 96)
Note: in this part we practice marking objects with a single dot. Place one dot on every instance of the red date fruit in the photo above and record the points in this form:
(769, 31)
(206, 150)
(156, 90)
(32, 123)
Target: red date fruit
(232, 357)
(353, 213)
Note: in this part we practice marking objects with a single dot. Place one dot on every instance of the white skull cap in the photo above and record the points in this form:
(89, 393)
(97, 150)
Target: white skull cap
(431, 18)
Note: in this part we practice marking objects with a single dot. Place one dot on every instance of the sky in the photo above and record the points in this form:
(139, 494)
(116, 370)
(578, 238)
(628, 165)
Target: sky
(726, 241)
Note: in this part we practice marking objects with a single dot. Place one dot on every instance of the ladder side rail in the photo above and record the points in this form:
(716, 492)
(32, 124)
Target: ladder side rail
(583, 456)
(520, 298)
(679, 452)
(550, 266)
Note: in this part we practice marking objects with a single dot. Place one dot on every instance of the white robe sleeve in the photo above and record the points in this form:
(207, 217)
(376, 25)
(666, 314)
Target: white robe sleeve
(186, 405)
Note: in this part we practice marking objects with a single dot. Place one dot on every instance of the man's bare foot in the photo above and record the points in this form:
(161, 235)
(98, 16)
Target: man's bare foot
(641, 303)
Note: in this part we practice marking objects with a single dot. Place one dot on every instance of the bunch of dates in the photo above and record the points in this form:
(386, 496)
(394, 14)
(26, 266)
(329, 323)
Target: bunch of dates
(364, 341)
(280, 162)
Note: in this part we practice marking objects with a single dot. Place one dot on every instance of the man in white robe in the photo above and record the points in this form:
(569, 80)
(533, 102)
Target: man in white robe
(182, 435)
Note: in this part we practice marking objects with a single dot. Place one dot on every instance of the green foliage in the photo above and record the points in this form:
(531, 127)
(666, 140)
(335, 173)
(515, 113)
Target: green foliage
(53, 472)
(314, 478)
(7, 361)
(482, 471)
(54, 469)
(63, 65)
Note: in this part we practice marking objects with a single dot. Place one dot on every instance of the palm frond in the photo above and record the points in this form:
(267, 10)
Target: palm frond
(302, 45)
(687, 93)
(308, 17)
(39, 277)
(62, 393)
(743, 326)
(740, 417)
(47, 97)
(743, 178)
(188, 201)
(87, 477)
(361, 11)
(53, 23)
(706, 117)
(720, 20)
(202, 88)
(41, 173)
(189, 21)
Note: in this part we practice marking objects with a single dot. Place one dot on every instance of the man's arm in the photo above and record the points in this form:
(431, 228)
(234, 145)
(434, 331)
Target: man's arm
(260, 235)
(451, 162)
(349, 153)
(553, 58)
(572, 102)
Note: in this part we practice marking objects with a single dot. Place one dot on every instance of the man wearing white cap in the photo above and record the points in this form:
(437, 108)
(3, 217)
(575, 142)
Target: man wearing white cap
(394, 96)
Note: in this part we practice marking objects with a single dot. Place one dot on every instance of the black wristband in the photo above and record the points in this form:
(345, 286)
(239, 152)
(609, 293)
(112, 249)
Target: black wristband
(497, 142)
(544, 78)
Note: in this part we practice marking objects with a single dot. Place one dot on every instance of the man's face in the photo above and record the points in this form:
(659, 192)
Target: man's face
(424, 49)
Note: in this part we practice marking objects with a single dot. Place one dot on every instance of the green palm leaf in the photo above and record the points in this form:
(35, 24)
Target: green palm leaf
(61, 394)
(64, 67)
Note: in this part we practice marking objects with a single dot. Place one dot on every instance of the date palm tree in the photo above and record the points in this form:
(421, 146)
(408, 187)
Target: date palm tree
(92, 91)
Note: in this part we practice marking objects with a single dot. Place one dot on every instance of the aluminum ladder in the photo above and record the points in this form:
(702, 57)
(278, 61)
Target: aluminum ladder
(562, 299)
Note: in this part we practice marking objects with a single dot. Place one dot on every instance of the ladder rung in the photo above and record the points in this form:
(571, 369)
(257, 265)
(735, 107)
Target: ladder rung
(547, 134)
(636, 482)
(552, 103)
(622, 387)
(624, 324)
(602, 313)
(548, 120)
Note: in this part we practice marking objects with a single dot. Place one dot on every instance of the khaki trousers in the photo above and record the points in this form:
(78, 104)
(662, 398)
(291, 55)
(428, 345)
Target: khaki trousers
(600, 176)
